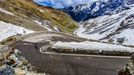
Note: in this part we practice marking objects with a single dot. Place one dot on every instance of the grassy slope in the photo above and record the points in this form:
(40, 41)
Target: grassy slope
(27, 11)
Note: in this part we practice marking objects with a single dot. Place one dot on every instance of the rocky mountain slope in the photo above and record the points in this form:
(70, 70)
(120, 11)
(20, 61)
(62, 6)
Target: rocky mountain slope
(26, 13)
(109, 20)
(21, 17)
(13, 63)
(117, 28)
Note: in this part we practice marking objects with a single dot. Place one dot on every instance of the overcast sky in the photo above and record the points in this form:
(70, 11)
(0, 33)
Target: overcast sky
(62, 3)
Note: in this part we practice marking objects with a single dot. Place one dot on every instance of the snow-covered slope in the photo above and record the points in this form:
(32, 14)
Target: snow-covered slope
(117, 28)
(97, 8)
(8, 29)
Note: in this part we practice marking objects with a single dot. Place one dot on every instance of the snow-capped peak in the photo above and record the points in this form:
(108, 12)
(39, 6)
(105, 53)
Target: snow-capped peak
(98, 8)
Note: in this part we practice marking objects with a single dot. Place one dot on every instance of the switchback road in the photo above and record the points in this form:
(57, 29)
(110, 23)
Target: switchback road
(70, 64)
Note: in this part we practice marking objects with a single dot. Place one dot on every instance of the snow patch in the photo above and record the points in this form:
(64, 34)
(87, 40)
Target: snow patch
(128, 36)
(7, 12)
(8, 29)
(43, 25)
(41, 10)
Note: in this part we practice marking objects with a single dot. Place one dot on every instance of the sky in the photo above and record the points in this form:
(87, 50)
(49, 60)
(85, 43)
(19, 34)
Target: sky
(62, 3)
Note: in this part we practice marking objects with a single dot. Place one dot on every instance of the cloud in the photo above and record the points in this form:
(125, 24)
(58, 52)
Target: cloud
(62, 3)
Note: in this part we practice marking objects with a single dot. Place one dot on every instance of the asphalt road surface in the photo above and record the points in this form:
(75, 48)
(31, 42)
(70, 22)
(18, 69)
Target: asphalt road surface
(70, 64)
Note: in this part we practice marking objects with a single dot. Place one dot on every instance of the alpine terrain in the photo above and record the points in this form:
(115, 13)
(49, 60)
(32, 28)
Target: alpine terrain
(66, 37)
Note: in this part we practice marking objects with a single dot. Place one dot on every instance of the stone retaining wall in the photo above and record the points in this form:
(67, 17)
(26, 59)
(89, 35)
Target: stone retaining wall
(97, 52)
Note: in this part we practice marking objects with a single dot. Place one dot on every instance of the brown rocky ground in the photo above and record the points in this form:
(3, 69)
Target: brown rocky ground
(13, 63)
(129, 68)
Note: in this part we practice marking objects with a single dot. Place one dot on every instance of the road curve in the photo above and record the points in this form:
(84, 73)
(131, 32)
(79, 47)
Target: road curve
(70, 64)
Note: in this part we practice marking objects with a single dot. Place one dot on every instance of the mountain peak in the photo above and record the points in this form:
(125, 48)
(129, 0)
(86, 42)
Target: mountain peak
(97, 8)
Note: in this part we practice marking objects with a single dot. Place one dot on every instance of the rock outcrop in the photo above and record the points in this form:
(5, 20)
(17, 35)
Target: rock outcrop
(129, 68)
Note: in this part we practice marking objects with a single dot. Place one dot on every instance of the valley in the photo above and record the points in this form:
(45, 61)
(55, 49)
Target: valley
(49, 37)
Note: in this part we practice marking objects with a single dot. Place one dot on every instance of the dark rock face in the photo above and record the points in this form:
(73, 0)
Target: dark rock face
(7, 71)
(122, 72)
(129, 2)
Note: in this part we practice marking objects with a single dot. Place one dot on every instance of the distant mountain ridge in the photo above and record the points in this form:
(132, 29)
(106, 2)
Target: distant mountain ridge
(87, 11)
